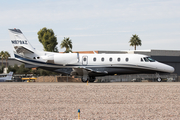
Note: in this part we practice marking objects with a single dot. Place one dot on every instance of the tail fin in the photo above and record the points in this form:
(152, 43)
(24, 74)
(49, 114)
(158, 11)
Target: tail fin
(9, 76)
(19, 42)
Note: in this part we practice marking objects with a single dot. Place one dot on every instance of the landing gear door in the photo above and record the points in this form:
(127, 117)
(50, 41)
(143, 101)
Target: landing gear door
(85, 60)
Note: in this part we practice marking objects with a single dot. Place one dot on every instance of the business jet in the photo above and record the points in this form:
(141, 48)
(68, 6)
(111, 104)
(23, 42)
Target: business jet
(88, 66)
(7, 78)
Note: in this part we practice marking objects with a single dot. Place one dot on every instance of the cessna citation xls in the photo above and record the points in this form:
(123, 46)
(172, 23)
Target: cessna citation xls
(88, 66)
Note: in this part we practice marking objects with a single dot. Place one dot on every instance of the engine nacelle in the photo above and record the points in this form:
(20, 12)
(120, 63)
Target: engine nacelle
(48, 58)
(66, 58)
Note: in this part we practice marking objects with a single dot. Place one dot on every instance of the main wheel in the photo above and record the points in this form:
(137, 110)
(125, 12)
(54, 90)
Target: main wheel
(92, 79)
(159, 79)
(83, 80)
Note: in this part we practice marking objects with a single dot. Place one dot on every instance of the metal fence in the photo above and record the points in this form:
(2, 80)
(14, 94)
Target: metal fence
(139, 78)
(112, 78)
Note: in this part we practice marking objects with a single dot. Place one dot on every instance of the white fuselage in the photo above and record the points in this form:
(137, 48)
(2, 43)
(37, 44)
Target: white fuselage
(75, 60)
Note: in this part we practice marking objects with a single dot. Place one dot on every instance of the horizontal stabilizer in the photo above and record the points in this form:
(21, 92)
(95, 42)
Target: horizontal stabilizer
(21, 49)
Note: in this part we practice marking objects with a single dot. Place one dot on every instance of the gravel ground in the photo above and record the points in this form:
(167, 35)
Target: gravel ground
(96, 101)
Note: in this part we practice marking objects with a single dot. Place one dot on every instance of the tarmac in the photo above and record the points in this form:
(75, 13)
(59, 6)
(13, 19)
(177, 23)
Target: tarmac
(96, 101)
(77, 83)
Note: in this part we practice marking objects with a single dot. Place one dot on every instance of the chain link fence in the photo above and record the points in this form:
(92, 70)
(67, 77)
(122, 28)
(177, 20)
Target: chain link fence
(139, 78)
(112, 78)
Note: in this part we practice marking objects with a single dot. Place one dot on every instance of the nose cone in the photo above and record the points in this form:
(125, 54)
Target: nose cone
(164, 68)
(171, 69)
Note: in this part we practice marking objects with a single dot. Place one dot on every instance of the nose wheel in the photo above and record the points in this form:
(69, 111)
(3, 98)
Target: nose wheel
(159, 79)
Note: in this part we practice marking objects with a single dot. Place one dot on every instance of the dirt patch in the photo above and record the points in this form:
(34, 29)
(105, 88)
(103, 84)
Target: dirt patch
(57, 79)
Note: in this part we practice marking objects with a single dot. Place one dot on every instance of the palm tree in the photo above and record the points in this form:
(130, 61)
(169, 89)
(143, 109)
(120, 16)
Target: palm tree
(135, 41)
(2, 56)
(66, 43)
(6, 55)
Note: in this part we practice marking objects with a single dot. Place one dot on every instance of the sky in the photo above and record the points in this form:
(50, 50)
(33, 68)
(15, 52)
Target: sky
(94, 24)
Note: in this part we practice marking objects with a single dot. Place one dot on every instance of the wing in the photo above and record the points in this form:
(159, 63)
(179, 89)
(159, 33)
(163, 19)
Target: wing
(87, 71)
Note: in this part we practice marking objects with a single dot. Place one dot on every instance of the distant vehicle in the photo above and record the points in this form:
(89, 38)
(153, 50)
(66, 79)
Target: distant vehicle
(31, 79)
(87, 66)
(7, 78)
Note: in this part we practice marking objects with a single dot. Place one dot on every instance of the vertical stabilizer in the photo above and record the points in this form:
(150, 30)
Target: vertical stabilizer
(19, 42)
(9, 76)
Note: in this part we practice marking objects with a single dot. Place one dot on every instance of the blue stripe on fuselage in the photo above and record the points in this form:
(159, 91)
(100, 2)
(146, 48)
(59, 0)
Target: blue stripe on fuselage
(29, 60)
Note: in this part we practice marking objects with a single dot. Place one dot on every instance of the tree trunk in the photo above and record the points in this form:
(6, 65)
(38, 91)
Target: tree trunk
(6, 62)
(2, 61)
(135, 47)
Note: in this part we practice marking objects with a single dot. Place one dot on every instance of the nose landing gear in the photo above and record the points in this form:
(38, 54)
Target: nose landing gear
(159, 79)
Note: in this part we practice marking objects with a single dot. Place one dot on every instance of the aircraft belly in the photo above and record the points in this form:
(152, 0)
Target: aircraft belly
(122, 70)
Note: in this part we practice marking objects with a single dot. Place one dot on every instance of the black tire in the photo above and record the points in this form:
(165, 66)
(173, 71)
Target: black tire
(83, 80)
(92, 79)
(159, 79)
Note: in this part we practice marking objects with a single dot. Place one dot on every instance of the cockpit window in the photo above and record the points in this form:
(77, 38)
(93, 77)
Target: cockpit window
(146, 59)
(150, 59)
(141, 60)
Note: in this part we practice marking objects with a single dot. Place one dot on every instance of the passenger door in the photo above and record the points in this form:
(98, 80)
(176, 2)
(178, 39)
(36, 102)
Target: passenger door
(84, 60)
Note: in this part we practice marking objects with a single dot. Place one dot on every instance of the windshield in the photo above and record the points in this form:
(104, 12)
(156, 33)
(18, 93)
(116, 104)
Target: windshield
(150, 59)
(146, 59)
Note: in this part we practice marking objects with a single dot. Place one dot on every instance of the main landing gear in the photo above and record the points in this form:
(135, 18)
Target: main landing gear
(89, 79)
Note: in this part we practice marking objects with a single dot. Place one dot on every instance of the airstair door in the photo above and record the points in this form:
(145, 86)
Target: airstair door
(85, 60)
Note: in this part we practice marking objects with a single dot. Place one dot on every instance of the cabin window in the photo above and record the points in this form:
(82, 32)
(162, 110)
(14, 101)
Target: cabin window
(84, 59)
(145, 59)
(102, 59)
(94, 59)
(150, 59)
(34, 58)
(127, 59)
(118, 59)
(110, 59)
(38, 57)
(141, 60)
